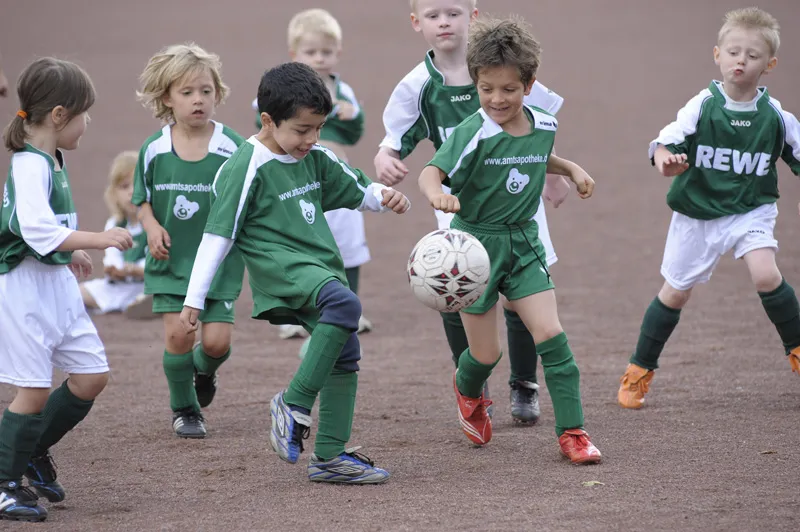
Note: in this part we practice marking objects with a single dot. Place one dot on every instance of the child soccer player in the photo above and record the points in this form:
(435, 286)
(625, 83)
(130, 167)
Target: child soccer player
(722, 151)
(496, 161)
(268, 201)
(182, 85)
(123, 283)
(315, 39)
(429, 103)
(45, 324)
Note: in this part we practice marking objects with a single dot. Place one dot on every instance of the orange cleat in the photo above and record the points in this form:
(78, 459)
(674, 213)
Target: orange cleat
(633, 385)
(475, 422)
(576, 446)
(794, 359)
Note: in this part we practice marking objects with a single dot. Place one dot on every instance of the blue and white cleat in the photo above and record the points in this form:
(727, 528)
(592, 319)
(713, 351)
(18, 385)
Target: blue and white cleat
(289, 429)
(349, 467)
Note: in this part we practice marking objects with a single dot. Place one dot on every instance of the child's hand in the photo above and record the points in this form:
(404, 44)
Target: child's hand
(395, 200)
(115, 273)
(81, 265)
(445, 203)
(347, 111)
(670, 164)
(583, 183)
(158, 242)
(189, 318)
(390, 171)
(556, 190)
(116, 237)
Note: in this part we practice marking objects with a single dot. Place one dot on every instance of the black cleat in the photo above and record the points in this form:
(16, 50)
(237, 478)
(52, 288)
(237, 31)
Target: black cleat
(206, 387)
(188, 423)
(41, 475)
(525, 402)
(19, 504)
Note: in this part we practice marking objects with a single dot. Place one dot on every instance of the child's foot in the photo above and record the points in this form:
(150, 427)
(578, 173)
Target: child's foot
(475, 422)
(188, 423)
(292, 331)
(141, 308)
(289, 429)
(525, 402)
(490, 408)
(206, 387)
(633, 385)
(576, 446)
(364, 325)
(349, 467)
(41, 475)
(19, 504)
(794, 360)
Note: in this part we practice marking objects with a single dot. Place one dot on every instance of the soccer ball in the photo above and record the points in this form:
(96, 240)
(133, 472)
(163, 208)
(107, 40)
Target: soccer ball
(448, 270)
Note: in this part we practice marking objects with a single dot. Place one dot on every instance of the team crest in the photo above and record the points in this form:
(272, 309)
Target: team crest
(309, 211)
(516, 181)
(184, 209)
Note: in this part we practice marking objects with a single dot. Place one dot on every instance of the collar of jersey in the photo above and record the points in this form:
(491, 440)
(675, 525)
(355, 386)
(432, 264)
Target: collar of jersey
(751, 106)
(492, 128)
(432, 70)
(285, 158)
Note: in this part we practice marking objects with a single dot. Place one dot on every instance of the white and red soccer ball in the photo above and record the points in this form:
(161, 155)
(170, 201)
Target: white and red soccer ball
(448, 270)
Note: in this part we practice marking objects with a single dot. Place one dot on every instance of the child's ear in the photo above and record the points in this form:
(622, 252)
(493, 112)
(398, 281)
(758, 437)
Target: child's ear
(266, 121)
(716, 55)
(166, 100)
(415, 22)
(473, 15)
(530, 86)
(58, 115)
(772, 62)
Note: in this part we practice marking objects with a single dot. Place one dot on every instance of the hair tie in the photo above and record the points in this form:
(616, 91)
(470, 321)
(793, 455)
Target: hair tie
(22, 114)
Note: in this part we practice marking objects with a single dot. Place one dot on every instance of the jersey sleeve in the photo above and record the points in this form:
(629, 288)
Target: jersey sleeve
(402, 118)
(344, 187)
(791, 142)
(543, 98)
(231, 194)
(142, 179)
(354, 133)
(678, 135)
(35, 221)
(456, 155)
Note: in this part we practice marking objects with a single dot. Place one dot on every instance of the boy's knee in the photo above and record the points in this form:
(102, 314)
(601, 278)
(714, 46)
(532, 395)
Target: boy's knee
(339, 306)
(217, 343)
(674, 298)
(766, 280)
(87, 386)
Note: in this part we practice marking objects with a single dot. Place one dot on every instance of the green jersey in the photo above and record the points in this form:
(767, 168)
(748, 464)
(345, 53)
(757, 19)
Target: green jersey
(423, 106)
(37, 214)
(180, 194)
(272, 206)
(498, 178)
(732, 149)
(345, 132)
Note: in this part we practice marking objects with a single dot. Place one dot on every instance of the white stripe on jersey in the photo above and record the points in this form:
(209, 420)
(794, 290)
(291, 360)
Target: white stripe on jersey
(403, 109)
(684, 125)
(791, 127)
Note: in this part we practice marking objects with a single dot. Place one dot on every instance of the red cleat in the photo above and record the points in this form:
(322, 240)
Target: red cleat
(576, 446)
(475, 422)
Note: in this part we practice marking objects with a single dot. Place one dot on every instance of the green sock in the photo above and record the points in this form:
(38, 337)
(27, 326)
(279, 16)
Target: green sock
(472, 375)
(324, 349)
(658, 323)
(563, 380)
(205, 364)
(179, 370)
(18, 436)
(61, 413)
(352, 275)
(456, 335)
(337, 400)
(521, 349)
(784, 312)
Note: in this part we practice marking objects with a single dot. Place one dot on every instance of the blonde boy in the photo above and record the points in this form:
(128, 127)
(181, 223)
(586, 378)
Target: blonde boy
(722, 151)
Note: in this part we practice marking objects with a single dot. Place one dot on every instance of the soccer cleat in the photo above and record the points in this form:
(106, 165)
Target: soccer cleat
(19, 504)
(292, 331)
(475, 422)
(576, 446)
(289, 429)
(350, 467)
(525, 402)
(364, 325)
(188, 423)
(41, 475)
(490, 408)
(141, 308)
(206, 387)
(633, 385)
(794, 360)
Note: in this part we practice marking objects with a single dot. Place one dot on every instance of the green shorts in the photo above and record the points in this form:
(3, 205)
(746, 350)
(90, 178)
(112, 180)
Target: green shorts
(216, 311)
(519, 267)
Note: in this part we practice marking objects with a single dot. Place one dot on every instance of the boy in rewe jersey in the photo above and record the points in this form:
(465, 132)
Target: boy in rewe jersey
(722, 151)
(429, 102)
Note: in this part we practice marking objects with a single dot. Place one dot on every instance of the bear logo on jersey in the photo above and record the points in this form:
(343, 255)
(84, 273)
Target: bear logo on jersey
(309, 211)
(184, 209)
(516, 181)
(6, 199)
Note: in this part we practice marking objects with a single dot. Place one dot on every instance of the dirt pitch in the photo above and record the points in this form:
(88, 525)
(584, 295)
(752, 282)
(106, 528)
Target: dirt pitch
(716, 447)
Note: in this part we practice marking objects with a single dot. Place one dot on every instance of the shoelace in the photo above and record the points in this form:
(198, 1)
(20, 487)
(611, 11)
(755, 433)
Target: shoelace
(299, 433)
(195, 417)
(46, 463)
(354, 454)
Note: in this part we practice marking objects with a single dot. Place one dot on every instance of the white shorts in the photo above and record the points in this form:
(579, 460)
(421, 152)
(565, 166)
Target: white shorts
(347, 227)
(443, 222)
(694, 247)
(43, 324)
(113, 297)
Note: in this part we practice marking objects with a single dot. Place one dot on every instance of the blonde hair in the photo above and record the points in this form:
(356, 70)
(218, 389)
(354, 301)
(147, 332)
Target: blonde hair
(753, 18)
(413, 3)
(313, 21)
(503, 43)
(172, 64)
(121, 169)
